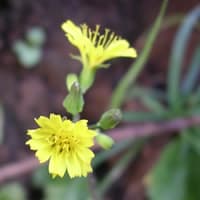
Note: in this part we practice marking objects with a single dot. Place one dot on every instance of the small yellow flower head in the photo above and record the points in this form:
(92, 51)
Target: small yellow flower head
(95, 49)
(64, 143)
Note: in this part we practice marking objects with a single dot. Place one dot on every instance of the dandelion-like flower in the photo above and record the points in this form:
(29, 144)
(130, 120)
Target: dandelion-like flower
(64, 143)
(96, 49)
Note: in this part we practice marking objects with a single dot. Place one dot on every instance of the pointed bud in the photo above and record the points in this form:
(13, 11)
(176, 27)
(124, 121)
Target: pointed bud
(104, 141)
(70, 79)
(74, 102)
(110, 119)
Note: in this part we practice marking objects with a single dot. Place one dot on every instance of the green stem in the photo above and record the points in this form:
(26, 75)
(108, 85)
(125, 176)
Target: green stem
(75, 118)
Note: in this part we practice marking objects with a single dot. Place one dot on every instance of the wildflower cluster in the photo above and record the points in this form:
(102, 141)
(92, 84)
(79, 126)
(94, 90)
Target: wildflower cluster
(66, 143)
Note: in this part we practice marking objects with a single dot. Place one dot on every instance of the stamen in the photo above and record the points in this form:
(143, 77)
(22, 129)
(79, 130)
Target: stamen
(89, 34)
(84, 29)
(100, 40)
(105, 36)
(111, 38)
(95, 34)
(62, 143)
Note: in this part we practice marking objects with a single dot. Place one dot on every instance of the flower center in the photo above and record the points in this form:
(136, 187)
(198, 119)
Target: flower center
(63, 143)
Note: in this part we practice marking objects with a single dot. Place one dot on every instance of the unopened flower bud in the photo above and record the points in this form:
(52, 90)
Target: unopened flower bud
(71, 78)
(105, 141)
(110, 119)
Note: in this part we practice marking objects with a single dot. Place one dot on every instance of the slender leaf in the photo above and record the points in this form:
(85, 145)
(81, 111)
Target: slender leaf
(142, 116)
(195, 98)
(135, 69)
(141, 92)
(193, 74)
(119, 167)
(154, 105)
(177, 57)
(192, 136)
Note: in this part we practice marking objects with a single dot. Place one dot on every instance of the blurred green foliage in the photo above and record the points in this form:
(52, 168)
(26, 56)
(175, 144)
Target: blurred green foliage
(29, 50)
(176, 175)
(12, 191)
(58, 188)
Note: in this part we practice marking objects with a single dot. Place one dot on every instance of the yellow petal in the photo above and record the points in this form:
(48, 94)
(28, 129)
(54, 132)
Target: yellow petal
(42, 121)
(85, 154)
(56, 119)
(119, 48)
(73, 166)
(57, 165)
(36, 144)
(39, 133)
(43, 154)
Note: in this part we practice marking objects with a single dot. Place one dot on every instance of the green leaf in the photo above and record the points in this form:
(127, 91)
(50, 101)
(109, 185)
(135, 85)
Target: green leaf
(60, 188)
(192, 136)
(141, 92)
(193, 73)
(115, 173)
(168, 176)
(75, 189)
(142, 116)
(151, 98)
(124, 84)
(176, 175)
(153, 104)
(74, 102)
(177, 57)
(12, 191)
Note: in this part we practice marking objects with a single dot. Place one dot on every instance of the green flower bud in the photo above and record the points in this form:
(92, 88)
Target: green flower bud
(74, 102)
(70, 79)
(104, 141)
(110, 119)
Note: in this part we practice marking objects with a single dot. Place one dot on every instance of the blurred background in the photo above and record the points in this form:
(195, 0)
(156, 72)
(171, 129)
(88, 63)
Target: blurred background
(34, 60)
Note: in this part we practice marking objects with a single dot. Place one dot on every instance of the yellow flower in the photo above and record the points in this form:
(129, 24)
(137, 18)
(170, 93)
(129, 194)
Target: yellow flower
(95, 49)
(64, 143)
